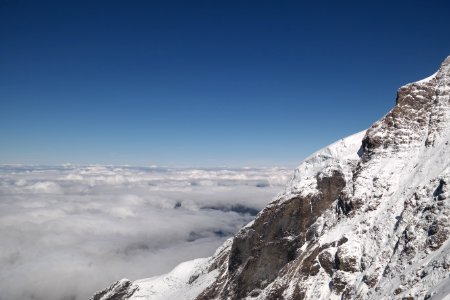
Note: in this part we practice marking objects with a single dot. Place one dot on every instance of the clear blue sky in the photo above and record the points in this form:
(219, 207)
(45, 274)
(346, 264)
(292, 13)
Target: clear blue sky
(204, 83)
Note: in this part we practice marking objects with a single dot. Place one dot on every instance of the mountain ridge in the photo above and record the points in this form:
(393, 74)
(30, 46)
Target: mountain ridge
(364, 218)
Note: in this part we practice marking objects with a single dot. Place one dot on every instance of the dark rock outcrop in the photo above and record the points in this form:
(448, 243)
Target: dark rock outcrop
(119, 290)
(261, 250)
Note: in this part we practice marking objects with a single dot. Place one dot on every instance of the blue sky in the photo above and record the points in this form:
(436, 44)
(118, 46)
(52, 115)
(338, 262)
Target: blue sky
(204, 83)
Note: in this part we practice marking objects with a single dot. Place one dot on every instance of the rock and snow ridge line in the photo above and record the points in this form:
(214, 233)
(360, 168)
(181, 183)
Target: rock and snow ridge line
(365, 218)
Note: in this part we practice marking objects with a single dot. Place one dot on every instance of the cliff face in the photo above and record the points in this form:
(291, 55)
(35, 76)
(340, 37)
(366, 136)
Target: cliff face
(365, 218)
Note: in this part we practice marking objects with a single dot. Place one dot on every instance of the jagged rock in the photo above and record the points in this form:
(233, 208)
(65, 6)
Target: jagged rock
(121, 289)
(327, 261)
(261, 250)
(340, 281)
(371, 280)
(348, 257)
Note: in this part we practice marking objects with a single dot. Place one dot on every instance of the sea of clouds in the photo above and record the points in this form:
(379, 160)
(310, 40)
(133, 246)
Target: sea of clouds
(69, 231)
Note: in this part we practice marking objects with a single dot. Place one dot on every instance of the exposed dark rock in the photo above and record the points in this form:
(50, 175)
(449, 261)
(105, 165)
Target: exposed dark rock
(119, 290)
(259, 252)
(309, 264)
(398, 291)
(339, 282)
(327, 262)
(436, 240)
(439, 192)
(371, 280)
(348, 257)
(441, 197)
(344, 206)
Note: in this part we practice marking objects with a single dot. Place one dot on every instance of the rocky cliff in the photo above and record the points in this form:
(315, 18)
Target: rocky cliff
(365, 218)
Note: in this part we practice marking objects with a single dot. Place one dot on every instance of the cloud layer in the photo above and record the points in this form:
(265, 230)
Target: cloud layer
(69, 231)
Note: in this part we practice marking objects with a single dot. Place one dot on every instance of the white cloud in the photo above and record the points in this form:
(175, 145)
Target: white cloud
(69, 231)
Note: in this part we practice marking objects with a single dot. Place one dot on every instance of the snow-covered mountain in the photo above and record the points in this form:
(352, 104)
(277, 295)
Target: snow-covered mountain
(364, 218)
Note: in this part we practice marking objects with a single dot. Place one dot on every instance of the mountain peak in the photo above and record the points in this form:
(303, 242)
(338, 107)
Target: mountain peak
(445, 66)
(420, 115)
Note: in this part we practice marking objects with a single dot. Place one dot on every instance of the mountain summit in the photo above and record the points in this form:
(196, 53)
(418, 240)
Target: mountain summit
(364, 218)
